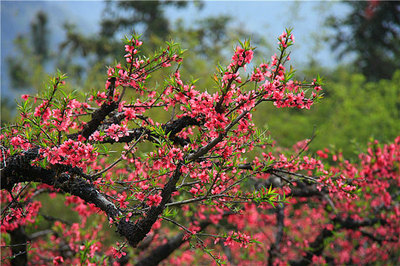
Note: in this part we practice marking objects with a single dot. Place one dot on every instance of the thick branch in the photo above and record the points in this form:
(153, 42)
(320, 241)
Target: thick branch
(171, 128)
(305, 191)
(141, 228)
(99, 115)
(316, 247)
(162, 252)
(22, 172)
(19, 241)
(19, 169)
(350, 223)
(279, 234)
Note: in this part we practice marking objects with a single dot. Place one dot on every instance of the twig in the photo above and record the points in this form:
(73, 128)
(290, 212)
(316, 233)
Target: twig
(305, 146)
(14, 199)
(117, 161)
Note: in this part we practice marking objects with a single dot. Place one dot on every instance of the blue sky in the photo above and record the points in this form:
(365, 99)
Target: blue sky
(267, 18)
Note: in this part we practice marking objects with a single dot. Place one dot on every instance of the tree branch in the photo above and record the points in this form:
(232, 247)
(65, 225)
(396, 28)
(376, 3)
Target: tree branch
(162, 252)
(100, 114)
(19, 169)
(171, 128)
(280, 216)
(19, 242)
(141, 228)
(318, 246)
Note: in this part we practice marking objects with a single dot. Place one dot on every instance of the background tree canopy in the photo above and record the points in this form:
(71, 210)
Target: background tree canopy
(372, 32)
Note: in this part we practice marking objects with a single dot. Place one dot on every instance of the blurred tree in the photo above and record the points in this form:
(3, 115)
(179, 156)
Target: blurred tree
(6, 111)
(80, 51)
(40, 36)
(372, 31)
(145, 16)
(84, 56)
(210, 38)
(26, 70)
(207, 37)
(34, 53)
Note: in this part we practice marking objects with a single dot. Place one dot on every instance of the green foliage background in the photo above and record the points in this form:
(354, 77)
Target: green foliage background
(353, 112)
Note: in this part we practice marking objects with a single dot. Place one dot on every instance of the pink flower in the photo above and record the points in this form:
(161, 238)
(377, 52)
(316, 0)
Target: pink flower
(122, 201)
(58, 260)
(118, 253)
(116, 131)
(154, 200)
(249, 56)
(96, 136)
(130, 113)
(24, 97)
(193, 190)
(229, 241)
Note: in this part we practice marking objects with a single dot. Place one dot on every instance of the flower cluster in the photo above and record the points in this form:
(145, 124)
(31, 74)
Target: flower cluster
(116, 131)
(74, 153)
(154, 200)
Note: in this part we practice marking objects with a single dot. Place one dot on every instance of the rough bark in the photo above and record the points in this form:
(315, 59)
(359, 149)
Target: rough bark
(19, 242)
